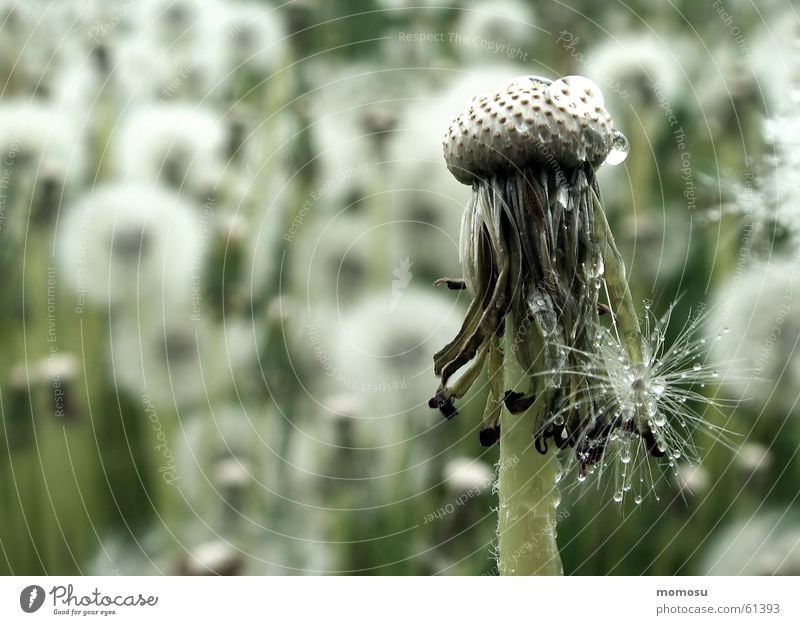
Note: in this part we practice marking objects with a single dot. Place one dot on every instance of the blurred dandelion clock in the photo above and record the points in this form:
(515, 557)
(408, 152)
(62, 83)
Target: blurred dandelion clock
(176, 23)
(506, 28)
(767, 543)
(756, 318)
(178, 144)
(257, 39)
(775, 62)
(354, 113)
(123, 243)
(32, 133)
(468, 475)
(333, 263)
(657, 242)
(641, 69)
(191, 548)
(383, 346)
(221, 456)
(180, 363)
(777, 200)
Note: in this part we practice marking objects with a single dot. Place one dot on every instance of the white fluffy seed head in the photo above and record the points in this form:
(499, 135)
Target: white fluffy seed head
(462, 475)
(530, 121)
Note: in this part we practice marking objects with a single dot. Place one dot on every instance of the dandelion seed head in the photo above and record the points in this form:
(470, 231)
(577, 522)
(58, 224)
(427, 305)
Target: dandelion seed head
(646, 415)
(530, 121)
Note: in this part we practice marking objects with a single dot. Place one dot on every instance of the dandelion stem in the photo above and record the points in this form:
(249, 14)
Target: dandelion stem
(527, 485)
(619, 292)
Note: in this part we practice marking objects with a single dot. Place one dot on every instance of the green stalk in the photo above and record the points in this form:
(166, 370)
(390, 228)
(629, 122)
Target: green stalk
(619, 292)
(528, 493)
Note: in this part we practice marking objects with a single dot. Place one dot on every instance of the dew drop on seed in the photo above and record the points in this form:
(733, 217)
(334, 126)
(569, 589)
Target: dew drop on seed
(619, 149)
(599, 268)
(657, 387)
(660, 420)
(618, 496)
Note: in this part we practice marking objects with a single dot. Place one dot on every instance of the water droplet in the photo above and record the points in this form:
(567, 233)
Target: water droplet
(618, 496)
(627, 413)
(564, 433)
(625, 455)
(715, 374)
(581, 477)
(660, 420)
(619, 149)
(697, 366)
(637, 500)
